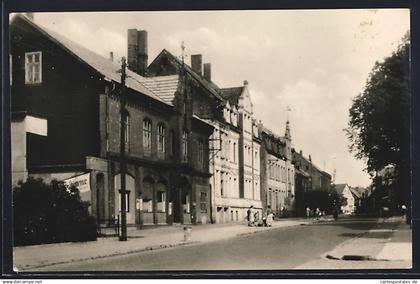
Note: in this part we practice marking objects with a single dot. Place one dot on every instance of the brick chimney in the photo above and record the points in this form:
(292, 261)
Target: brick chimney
(196, 63)
(207, 71)
(111, 56)
(137, 53)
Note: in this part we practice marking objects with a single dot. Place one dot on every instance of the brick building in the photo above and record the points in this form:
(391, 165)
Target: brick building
(234, 144)
(74, 93)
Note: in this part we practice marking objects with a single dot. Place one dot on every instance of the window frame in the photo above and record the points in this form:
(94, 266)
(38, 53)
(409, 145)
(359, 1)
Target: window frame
(161, 138)
(147, 134)
(30, 67)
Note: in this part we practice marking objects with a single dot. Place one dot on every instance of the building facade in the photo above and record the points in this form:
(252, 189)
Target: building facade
(234, 145)
(278, 172)
(77, 94)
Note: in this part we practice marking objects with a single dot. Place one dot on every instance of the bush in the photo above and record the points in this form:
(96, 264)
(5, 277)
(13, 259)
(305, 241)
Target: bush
(48, 213)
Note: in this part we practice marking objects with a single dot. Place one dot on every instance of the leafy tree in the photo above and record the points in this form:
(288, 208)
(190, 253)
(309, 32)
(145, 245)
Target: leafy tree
(324, 200)
(378, 129)
(48, 213)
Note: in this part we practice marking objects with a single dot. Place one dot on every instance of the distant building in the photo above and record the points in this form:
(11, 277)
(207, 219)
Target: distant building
(308, 177)
(277, 171)
(347, 197)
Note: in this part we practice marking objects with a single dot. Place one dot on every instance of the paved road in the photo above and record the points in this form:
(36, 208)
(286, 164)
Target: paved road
(283, 248)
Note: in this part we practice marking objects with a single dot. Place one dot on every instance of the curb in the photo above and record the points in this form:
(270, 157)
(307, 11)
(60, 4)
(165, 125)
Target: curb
(145, 249)
(149, 248)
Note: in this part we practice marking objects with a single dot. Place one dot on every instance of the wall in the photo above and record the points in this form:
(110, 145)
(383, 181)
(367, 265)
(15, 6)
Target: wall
(67, 97)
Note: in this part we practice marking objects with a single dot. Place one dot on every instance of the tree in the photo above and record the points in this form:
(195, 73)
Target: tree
(48, 213)
(378, 129)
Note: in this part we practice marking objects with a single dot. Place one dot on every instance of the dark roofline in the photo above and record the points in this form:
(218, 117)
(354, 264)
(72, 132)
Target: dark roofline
(44, 32)
(191, 72)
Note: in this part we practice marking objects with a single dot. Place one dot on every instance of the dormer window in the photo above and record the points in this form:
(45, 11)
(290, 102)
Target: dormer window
(33, 67)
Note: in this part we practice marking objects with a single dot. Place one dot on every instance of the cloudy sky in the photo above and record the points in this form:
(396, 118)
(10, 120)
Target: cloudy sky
(314, 61)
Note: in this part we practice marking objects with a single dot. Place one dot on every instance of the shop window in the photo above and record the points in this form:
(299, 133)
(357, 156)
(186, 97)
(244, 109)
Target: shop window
(186, 203)
(33, 67)
(147, 196)
(161, 201)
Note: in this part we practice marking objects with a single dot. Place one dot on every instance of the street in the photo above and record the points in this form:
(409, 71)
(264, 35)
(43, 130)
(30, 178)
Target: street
(282, 248)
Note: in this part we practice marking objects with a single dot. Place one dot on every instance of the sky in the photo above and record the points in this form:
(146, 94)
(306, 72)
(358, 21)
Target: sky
(313, 61)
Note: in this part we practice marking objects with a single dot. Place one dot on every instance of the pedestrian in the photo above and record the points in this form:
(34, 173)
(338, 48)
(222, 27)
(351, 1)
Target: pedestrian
(250, 216)
(317, 213)
(257, 218)
(269, 219)
(308, 212)
(403, 210)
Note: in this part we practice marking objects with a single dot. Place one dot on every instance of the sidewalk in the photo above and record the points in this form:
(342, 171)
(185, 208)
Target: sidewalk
(31, 257)
(389, 245)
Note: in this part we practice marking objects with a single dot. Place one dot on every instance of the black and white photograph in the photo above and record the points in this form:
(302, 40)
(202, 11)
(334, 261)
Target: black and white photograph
(210, 140)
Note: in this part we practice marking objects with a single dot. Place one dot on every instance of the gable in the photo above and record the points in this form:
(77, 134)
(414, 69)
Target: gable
(245, 100)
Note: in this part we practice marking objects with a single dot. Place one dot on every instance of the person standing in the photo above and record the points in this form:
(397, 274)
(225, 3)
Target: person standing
(269, 219)
(308, 212)
(250, 216)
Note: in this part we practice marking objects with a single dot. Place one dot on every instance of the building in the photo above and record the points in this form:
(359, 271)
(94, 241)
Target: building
(308, 177)
(234, 145)
(70, 96)
(347, 198)
(277, 172)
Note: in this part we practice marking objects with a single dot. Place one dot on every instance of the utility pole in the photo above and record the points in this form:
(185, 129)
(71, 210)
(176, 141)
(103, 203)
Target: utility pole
(123, 116)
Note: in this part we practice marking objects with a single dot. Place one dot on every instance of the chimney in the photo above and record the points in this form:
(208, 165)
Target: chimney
(142, 52)
(300, 152)
(111, 56)
(196, 63)
(207, 71)
(137, 51)
(245, 82)
(310, 158)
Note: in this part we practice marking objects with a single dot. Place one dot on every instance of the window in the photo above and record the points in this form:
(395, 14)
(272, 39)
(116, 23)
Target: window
(221, 184)
(161, 201)
(33, 67)
(184, 146)
(161, 138)
(234, 152)
(200, 152)
(147, 135)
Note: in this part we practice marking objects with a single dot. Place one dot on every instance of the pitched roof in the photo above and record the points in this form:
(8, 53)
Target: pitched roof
(210, 86)
(231, 94)
(164, 86)
(340, 187)
(104, 66)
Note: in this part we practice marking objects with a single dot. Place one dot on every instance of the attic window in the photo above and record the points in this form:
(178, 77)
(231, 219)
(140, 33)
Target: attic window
(33, 67)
